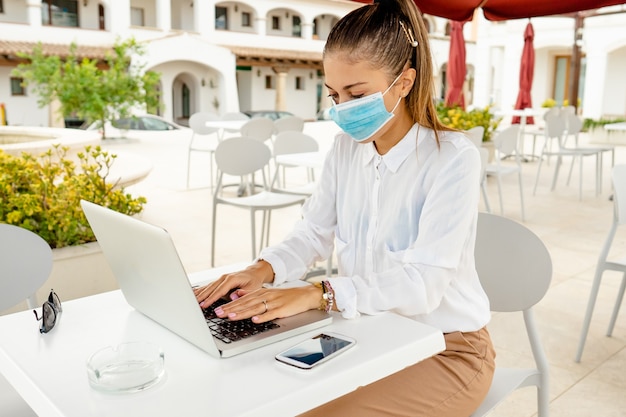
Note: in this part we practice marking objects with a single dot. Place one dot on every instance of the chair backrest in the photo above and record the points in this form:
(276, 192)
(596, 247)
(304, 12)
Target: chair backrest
(619, 192)
(288, 123)
(476, 134)
(260, 128)
(197, 123)
(505, 141)
(241, 156)
(514, 265)
(574, 124)
(25, 264)
(294, 142)
(555, 126)
(515, 269)
(235, 116)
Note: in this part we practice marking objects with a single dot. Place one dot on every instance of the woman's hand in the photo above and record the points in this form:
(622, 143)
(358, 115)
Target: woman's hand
(266, 304)
(250, 279)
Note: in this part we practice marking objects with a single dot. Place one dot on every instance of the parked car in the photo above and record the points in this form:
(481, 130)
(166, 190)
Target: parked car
(323, 114)
(270, 114)
(139, 127)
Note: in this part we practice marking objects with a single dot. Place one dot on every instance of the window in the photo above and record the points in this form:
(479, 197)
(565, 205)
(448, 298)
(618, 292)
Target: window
(299, 83)
(246, 19)
(269, 82)
(59, 13)
(276, 22)
(137, 17)
(17, 89)
(562, 78)
(221, 18)
(296, 27)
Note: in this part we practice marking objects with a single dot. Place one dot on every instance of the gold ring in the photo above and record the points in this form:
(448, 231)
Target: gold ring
(265, 304)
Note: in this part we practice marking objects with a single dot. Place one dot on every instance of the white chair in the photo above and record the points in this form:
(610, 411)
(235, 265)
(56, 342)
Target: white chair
(25, 264)
(540, 131)
(574, 127)
(505, 144)
(243, 156)
(260, 128)
(619, 265)
(288, 123)
(476, 134)
(556, 130)
(200, 139)
(515, 269)
(292, 142)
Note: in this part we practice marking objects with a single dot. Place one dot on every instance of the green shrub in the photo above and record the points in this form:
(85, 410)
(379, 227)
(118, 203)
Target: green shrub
(43, 194)
(457, 118)
(592, 124)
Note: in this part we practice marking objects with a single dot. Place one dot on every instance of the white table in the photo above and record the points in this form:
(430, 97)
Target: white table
(49, 372)
(303, 159)
(309, 160)
(523, 114)
(226, 126)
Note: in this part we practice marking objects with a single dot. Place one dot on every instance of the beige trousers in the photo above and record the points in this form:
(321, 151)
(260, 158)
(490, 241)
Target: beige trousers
(450, 384)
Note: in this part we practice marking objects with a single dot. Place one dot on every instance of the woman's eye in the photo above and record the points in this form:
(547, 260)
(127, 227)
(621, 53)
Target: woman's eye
(355, 96)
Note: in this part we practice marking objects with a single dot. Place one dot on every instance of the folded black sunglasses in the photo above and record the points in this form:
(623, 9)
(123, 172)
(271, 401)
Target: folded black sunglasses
(49, 312)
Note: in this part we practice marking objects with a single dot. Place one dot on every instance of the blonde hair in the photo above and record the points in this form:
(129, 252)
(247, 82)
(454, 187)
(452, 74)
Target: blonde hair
(389, 34)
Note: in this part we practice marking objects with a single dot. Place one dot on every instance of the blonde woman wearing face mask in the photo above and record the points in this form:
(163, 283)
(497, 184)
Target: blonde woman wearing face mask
(398, 196)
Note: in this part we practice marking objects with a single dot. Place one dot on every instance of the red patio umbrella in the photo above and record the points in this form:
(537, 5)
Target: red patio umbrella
(455, 74)
(462, 10)
(526, 72)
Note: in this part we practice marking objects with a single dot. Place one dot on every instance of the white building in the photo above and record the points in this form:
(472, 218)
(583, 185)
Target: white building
(269, 52)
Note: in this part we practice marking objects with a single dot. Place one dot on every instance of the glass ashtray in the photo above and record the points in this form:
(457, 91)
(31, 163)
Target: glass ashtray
(128, 367)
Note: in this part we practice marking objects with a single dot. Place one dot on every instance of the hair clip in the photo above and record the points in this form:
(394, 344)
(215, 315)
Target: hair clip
(409, 35)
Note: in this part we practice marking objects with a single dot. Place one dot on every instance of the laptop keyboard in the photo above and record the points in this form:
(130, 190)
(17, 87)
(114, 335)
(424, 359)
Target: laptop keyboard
(229, 331)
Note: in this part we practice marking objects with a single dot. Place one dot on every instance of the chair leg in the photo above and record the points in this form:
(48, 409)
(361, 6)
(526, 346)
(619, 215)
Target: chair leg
(500, 194)
(590, 306)
(559, 160)
(483, 187)
(538, 172)
(580, 179)
(618, 303)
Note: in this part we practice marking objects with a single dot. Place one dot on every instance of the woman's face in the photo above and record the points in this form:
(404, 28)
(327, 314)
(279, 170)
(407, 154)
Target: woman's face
(348, 80)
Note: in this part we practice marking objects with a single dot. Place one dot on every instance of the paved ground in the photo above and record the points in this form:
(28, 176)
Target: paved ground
(573, 230)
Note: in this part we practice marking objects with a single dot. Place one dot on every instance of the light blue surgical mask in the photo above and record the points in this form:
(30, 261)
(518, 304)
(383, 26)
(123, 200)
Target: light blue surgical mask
(361, 118)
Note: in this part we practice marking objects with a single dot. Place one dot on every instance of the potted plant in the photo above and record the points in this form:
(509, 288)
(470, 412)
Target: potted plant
(460, 119)
(43, 193)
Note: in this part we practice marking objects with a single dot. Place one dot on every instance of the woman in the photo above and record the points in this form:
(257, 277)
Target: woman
(399, 194)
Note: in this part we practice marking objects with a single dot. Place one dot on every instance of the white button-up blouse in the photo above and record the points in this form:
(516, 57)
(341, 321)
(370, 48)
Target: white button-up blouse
(404, 225)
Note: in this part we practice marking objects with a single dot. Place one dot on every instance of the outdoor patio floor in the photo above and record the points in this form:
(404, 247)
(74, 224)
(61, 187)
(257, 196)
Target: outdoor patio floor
(573, 230)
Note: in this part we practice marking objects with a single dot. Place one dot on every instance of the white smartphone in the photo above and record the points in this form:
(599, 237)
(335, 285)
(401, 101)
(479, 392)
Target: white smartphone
(316, 350)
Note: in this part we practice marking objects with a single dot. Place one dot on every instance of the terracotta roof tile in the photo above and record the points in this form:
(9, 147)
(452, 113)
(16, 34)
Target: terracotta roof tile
(11, 48)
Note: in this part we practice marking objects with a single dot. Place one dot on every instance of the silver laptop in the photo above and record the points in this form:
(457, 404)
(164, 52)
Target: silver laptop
(153, 280)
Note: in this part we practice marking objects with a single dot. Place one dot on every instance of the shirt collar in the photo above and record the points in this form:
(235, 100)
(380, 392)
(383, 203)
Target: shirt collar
(396, 155)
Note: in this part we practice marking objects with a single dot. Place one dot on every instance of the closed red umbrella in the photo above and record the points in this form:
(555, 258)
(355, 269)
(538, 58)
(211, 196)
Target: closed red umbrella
(455, 74)
(526, 72)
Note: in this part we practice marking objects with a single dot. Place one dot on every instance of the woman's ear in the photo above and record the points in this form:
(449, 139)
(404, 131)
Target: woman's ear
(406, 81)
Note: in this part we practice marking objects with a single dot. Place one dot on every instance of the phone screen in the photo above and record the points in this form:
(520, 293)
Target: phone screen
(315, 350)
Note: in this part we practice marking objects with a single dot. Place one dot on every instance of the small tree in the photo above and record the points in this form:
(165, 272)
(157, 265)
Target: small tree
(85, 89)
